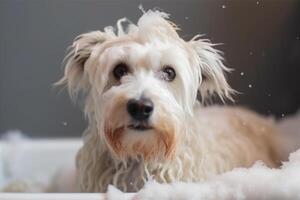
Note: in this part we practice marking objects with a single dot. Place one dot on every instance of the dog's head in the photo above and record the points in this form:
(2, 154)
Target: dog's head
(141, 84)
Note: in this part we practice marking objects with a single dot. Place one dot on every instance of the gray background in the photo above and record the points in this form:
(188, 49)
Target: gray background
(261, 39)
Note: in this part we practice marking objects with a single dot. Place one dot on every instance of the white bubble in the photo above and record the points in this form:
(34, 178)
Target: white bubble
(257, 2)
(297, 38)
(251, 53)
(282, 115)
(65, 123)
(223, 6)
(242, 73)
(269, 95)
(186, 17)
(250, 86)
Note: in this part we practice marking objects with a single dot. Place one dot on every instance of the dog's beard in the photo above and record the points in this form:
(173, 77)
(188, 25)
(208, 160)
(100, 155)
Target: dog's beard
(156, 141)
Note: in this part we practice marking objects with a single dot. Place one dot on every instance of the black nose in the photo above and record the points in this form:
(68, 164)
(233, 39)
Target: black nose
(140, 109)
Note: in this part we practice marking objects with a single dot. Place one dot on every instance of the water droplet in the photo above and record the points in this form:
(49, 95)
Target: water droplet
(186, 18)
(65, 123)
(269, 95)
(251, 53)
(257, 2)
(250, 86)
(223, 6)
(282, 115)
(297, 38)
(242, 73)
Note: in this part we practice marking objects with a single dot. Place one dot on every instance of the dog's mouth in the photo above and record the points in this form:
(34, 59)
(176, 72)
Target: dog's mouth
(139, 126)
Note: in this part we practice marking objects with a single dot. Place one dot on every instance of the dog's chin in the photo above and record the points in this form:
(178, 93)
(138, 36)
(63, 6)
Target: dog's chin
(145, 139)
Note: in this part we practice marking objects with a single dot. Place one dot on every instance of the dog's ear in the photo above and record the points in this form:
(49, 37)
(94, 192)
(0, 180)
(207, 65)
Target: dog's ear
(75, 76)
(212, 70)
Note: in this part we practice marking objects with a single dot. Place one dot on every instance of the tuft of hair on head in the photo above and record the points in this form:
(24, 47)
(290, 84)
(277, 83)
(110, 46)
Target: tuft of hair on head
(156, 24)
(212, 77)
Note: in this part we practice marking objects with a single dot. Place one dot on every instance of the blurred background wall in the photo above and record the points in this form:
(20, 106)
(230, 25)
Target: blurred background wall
(261, 42)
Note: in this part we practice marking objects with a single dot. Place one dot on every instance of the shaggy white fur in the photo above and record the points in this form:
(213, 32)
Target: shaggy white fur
(180, 140)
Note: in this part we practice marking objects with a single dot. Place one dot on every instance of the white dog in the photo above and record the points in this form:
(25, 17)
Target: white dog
(140, 87)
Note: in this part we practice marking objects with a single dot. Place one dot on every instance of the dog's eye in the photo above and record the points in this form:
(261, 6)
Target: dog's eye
(204, 77)
(120, 70)
(169, 73)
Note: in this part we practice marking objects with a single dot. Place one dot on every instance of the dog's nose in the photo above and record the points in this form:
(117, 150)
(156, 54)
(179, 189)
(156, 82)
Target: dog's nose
(140, 109)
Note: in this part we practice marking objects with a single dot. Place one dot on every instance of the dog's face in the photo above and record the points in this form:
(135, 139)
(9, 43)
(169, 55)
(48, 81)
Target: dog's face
(142, 85)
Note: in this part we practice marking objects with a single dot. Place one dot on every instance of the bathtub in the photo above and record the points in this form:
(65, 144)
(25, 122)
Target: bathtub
(37, 161)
